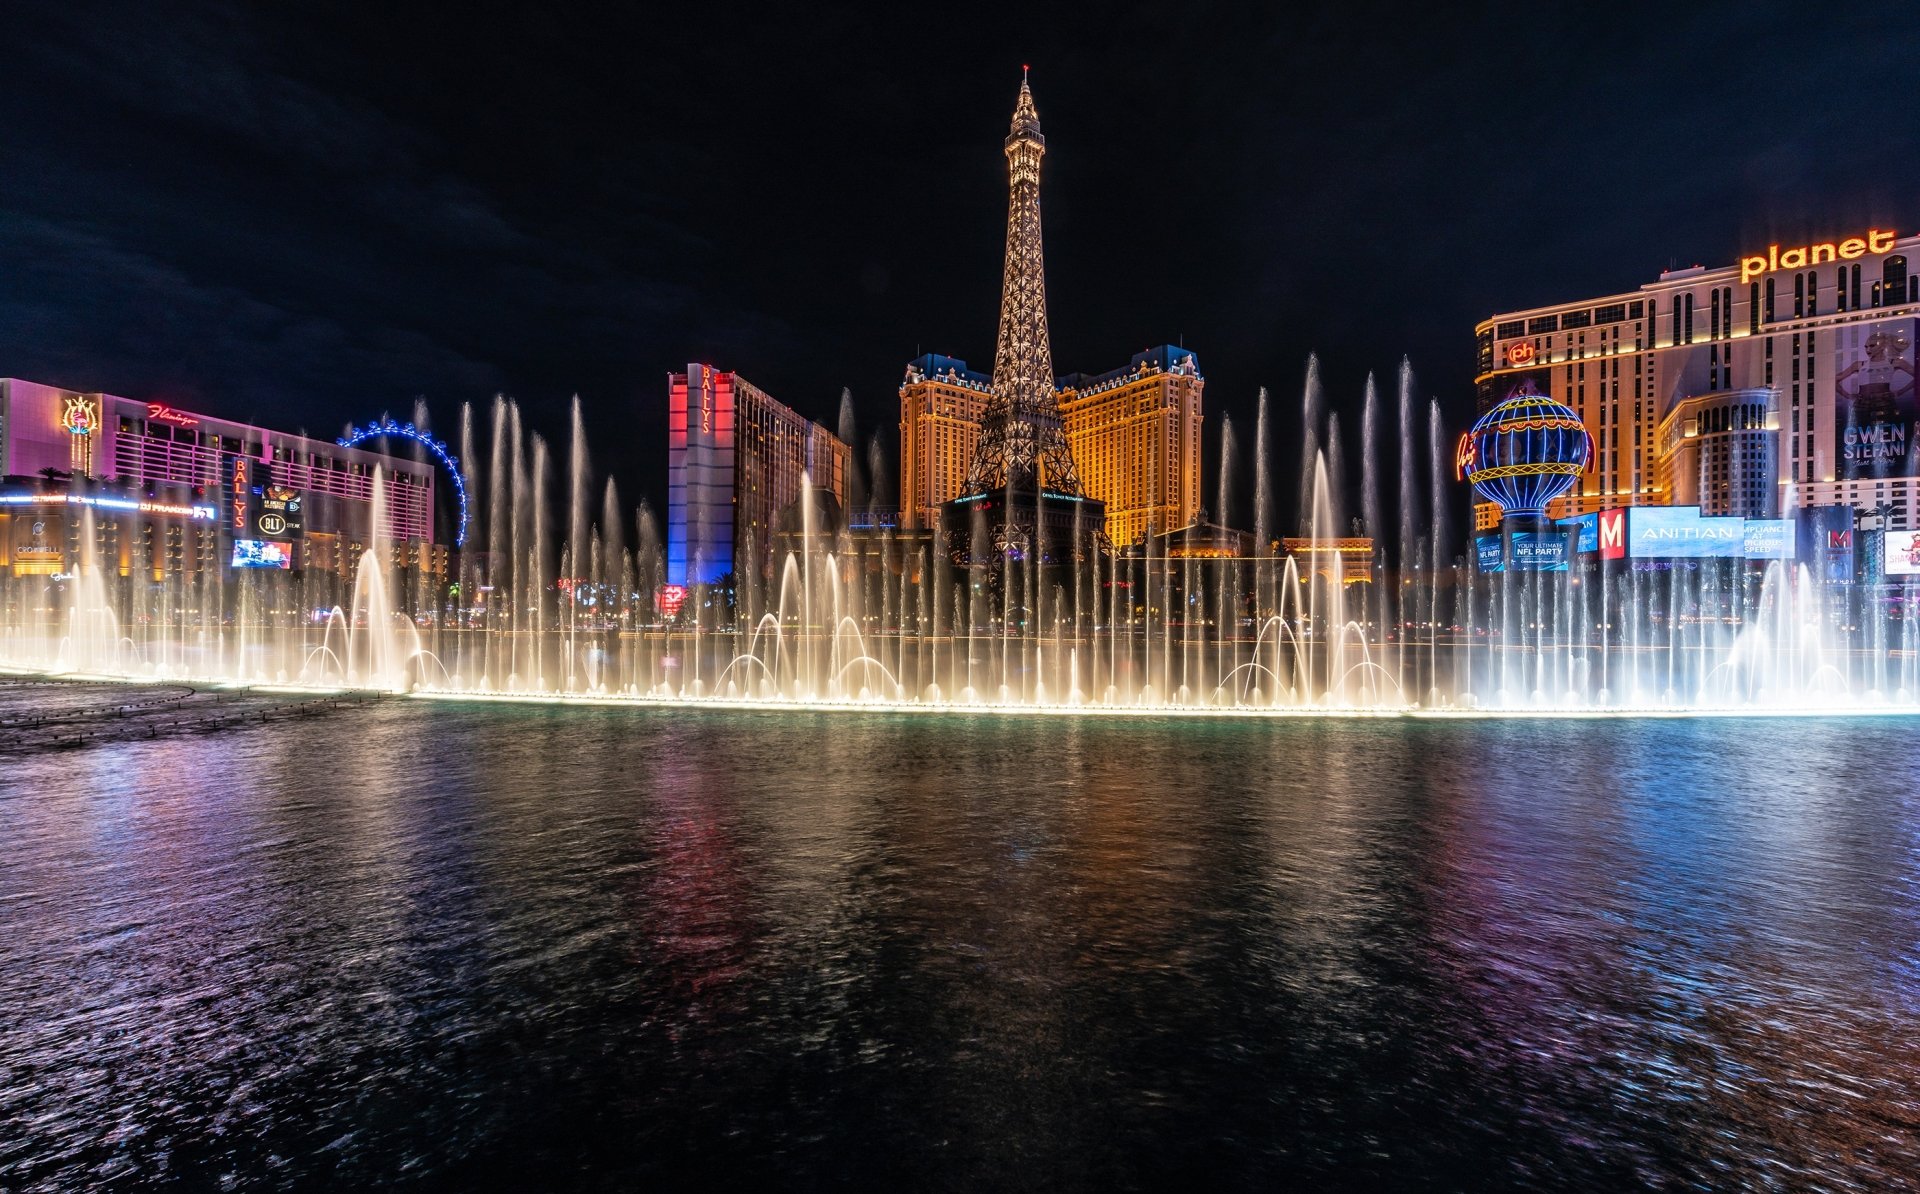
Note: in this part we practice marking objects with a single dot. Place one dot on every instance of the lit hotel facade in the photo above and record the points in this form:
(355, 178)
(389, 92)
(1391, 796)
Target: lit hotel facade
(1785, 380)
(735, 459)
(1135, 434)
(176, 491)
(941, 402)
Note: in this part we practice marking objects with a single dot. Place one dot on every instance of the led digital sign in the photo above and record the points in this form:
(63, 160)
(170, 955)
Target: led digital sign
(1586, 528)
(1769, 539)
(1486, 550)
(143, 506)
(1537, 551)
(1681, 533)
(1876, 407)
(1903, 553)
(279, 515)
(261, 553)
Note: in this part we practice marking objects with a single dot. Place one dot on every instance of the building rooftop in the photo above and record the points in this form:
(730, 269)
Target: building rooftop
(1163, 359)
(934, 365)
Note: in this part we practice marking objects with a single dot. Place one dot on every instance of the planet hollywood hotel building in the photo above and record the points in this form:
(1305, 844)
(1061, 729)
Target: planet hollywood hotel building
(176, 492)
(1783, 381)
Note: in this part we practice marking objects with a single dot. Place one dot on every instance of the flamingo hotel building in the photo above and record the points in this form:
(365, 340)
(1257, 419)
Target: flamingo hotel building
(1785, 380)
(180, 492)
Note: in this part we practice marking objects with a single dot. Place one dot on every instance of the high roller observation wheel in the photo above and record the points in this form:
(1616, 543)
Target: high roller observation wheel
(388, 428)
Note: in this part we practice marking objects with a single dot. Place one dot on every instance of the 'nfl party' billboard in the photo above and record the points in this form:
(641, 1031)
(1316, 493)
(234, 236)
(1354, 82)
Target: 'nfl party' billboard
(1876, 410)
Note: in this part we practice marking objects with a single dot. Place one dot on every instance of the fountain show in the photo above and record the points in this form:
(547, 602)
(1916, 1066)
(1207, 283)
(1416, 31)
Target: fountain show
(530, 659)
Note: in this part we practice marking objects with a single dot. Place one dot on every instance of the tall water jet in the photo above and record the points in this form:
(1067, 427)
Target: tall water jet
(1333, 463)
(1372, 521)
(1310, 404)
(1262, 478)
(850, 435)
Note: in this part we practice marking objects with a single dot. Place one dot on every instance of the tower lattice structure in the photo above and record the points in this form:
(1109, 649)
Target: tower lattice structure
(1022, 444)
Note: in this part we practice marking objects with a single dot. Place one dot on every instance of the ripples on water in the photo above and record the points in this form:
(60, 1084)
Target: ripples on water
(470, 946)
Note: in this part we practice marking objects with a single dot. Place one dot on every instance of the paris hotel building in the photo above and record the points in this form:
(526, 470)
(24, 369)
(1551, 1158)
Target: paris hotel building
(1783, 380)
(1135, 434)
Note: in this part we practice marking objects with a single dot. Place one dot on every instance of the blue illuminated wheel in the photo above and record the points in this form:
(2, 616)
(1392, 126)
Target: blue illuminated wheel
(387, 428)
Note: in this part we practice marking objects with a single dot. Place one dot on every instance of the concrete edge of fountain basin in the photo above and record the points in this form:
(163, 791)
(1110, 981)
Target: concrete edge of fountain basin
(731, 705)
(191, 681)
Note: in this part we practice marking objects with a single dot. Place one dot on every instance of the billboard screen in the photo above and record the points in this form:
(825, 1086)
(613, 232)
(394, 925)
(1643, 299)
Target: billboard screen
(1875, 408)
(1825, 542)
(1769, 539)
(1539, 551)
(1681, 533)
(1586, 528)
(1486, 549)
(1903, 553)
(276, 514)
(261, 553)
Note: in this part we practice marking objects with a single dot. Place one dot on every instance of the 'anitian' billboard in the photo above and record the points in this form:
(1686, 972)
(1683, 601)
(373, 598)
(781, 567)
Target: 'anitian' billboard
(1681, 533)
(1876, 410)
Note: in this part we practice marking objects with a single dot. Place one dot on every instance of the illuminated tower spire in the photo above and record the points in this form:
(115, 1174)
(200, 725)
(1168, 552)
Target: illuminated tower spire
(1021, 444)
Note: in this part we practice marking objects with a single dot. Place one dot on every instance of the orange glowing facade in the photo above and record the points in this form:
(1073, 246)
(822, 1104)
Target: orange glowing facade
(941, 402)
(1135, 435)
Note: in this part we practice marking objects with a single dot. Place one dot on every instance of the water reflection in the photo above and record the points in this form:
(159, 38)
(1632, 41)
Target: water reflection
(468, 946)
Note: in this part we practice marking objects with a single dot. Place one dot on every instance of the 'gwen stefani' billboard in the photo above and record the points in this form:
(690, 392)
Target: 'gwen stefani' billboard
(1876, 409)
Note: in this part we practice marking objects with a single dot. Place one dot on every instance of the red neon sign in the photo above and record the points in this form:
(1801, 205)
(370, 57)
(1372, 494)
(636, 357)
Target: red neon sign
(1613, 534)
(240, 486)
(1463, 455)
(160, 412)
(672, 597)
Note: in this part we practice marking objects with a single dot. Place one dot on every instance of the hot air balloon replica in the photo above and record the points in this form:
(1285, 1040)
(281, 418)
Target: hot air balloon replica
(1521, 455)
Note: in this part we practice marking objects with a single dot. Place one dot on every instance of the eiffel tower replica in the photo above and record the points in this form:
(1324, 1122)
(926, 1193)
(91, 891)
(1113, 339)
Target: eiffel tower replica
(1022, 500)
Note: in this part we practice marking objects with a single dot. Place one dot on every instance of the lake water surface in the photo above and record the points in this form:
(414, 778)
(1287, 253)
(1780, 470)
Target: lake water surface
(478, 946)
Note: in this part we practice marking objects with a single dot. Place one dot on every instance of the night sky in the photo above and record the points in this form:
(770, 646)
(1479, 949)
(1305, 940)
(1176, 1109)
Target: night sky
(304, 214)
